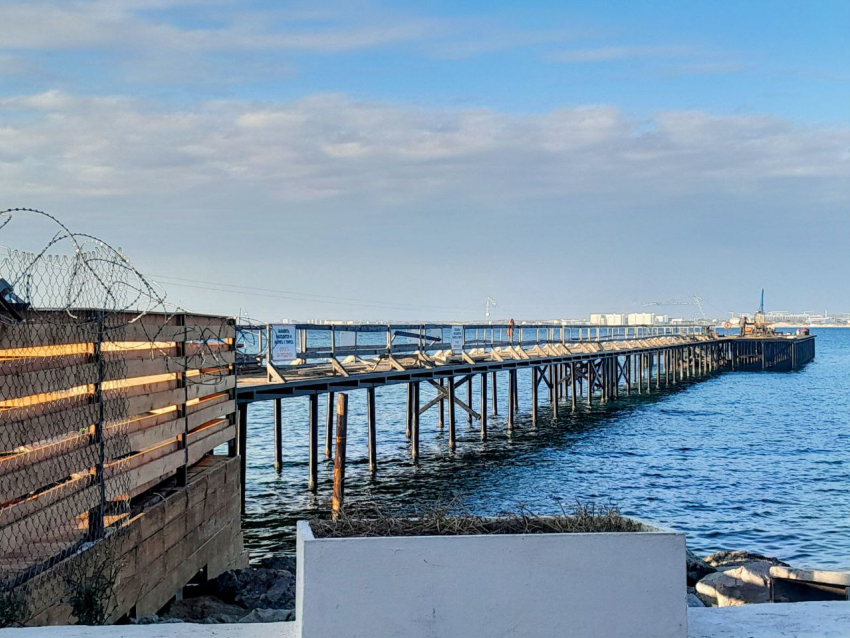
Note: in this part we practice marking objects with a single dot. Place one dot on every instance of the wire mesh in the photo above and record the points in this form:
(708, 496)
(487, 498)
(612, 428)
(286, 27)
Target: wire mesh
(74, 316)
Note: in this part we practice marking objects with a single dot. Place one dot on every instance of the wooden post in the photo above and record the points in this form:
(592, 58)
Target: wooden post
(414, 448)
(339, 459)
(483, 406)
(242, 450)
(469, 400)
(372, 433)
(658, 370)
(409, 428)
(452, 442)
(313, 444)
(511, 410)
(329, 426)
(590, 375)
(573, 380)
(534, 381)
(494, 378)
(442, 418)
(278, 435)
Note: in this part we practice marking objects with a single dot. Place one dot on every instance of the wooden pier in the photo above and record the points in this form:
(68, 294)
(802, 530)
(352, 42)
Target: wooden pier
(570, 364)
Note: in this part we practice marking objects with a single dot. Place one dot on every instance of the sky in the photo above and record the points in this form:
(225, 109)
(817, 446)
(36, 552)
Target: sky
(405, 161)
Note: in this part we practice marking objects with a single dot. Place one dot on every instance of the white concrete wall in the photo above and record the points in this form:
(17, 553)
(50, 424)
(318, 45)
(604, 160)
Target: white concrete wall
(623, 585)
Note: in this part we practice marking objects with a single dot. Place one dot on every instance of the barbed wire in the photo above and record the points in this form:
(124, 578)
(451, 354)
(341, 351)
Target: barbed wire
(74, 314)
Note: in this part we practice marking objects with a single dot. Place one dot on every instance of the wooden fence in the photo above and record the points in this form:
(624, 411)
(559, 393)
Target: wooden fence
(96, 409)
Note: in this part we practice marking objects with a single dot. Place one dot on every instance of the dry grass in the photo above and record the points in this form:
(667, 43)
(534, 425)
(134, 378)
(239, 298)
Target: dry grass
(453, 520)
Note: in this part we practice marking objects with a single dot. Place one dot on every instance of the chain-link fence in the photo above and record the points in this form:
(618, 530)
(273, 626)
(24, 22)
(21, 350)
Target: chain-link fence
(103, 395)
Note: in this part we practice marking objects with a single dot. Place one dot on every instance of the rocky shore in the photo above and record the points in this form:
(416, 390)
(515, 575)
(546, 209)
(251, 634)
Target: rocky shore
(261, 593)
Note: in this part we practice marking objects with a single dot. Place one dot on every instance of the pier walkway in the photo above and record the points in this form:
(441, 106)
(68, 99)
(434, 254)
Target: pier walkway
(570, 364)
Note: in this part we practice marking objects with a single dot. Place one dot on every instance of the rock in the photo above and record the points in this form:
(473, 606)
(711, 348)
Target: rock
(269, 615)
(725, 559)
(286, 563)
(255, 588)
(696, 568)
(694, 601)
(203, 609)
(744, 585)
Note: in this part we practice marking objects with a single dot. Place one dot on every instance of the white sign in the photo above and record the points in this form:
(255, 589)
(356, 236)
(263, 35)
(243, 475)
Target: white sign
(344, 338)
(283, 343)
(457, 339)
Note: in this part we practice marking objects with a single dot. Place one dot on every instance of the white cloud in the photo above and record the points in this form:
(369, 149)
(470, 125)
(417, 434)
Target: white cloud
(129, 26)
(327, 146)
(610, 53)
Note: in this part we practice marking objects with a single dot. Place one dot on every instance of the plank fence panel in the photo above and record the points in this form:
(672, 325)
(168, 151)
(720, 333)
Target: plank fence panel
(158, 389)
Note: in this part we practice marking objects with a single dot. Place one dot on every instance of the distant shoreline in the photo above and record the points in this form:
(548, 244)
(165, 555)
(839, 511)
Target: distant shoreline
(806, 325)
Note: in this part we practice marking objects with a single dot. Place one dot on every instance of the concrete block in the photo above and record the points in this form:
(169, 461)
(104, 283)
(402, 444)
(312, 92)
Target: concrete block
(617, 585)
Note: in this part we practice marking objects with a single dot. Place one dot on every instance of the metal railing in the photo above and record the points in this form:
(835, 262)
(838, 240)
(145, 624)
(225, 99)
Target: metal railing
(321, 342)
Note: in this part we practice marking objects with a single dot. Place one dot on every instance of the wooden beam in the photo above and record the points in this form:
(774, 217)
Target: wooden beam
(339, 460)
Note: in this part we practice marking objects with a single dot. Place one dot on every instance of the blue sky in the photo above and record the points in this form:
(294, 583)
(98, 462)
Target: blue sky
(482, 148)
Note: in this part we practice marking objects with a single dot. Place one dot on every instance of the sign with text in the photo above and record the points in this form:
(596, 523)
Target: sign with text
(457, 339)
(344, 338)
(283, 343)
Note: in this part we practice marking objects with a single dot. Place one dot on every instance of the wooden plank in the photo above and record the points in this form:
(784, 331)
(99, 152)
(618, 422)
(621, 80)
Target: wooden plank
(14, 434)
(27, 507)
(219, 433)
(211, 413)
(21, 532)
(28, 477)
(40, 382)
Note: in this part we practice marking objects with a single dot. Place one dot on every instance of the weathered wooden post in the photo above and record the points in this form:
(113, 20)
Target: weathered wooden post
(242, 450)
(483, 406)
(442, 418)
(339, 458)
(469, 399)
(534, 382)
(409, 428)
(278, 435)
(329, 426)
(493, 379)
(452, 442)
(573, 380)
(414, 448)
(372, 433)
(313, 443)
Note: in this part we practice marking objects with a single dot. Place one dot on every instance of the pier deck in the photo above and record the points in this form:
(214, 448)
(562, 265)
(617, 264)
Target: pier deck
(573, 364)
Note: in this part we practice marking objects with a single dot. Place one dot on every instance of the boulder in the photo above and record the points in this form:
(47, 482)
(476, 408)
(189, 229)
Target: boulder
(694, 601)
(269, 615)
(255, 588)
(744, 585)
(696, 568)
(727, 559)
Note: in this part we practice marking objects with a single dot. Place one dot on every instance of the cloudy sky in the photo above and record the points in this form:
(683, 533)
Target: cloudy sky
(406, 160)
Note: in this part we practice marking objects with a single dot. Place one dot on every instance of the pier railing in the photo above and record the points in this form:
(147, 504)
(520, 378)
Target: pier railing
(322, 342)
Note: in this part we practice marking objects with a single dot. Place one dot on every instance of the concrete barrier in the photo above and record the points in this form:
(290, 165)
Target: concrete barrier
(617, 585)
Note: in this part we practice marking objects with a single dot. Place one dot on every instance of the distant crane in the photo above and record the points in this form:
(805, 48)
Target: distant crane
(697, 301)
(487, 304)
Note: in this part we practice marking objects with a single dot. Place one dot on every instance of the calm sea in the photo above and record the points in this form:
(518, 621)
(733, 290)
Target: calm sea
(744, 460)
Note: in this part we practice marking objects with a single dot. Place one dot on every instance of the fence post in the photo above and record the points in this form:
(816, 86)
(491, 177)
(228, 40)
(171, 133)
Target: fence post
(96, 515)
(339, 457)
(182, 413)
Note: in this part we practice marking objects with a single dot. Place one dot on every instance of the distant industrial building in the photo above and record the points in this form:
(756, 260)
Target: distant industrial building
(631, 319)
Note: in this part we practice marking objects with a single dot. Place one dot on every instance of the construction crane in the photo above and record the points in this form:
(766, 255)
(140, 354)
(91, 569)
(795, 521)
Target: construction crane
(487, 305)
(696, 301)
(759, 325)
